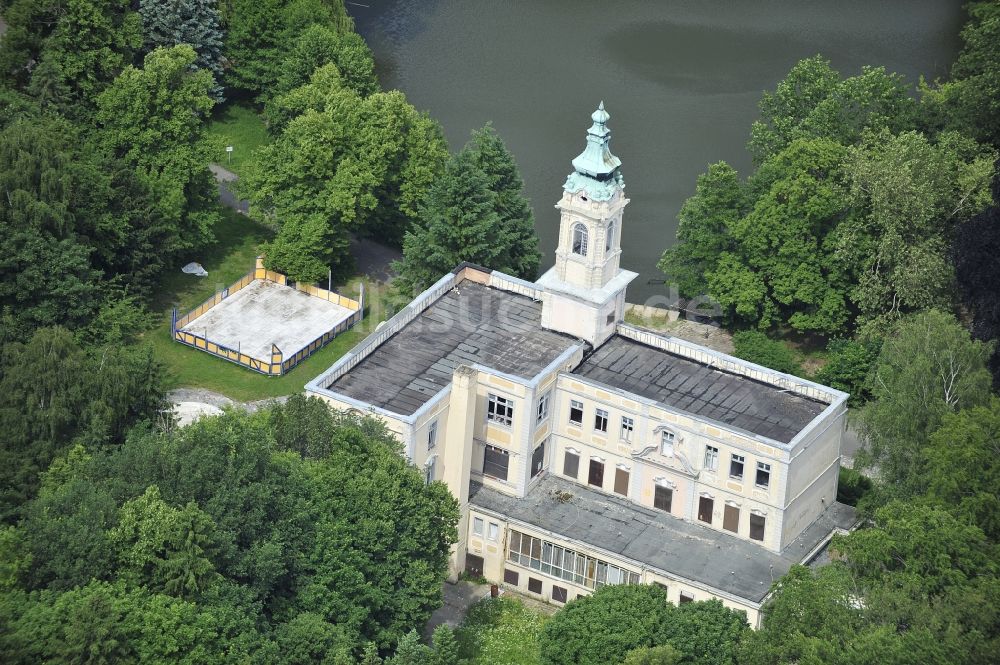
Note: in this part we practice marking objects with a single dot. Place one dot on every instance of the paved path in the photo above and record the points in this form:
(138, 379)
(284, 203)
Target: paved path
(458, 598)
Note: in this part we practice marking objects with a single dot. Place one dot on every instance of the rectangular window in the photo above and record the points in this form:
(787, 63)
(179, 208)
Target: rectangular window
(499, 410)
(621, 482)
(736, 467)
(663, 497)
(564, 564)
(558, 594)
(538, 459)
(543, 406)
(495, 462)
(763, 475)
(511, 577)
(667, 443)
(576, 412)
(534, 585)
(705, 507)
(494, 531)
(711, 458)
(731, 519)
(429, 470)
(477, 526)
(432, 435)
(596, 475)
(756, 527)
(628, 426)
(686, 597)
(571, 465)
(601, 420)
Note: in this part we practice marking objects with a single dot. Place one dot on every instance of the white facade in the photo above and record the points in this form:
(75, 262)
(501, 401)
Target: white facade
(509, 433)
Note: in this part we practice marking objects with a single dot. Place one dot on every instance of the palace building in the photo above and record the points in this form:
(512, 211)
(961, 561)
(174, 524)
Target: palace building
(584, 451)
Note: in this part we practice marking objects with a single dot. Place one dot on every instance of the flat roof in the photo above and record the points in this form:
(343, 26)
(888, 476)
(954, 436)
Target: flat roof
(651, 537)
(699, 389)
(264, 313)
(469, 324)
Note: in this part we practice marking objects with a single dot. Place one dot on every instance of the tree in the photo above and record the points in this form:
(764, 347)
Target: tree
(781, 269)
(168, 549)
(191, 22)
(52, 393)
(704, 229)
(756, 347)
(153, 120)
(445, 646)
(970, 101)
(814, 102)
(260, 33)
(360, 165)
(513, 208)
(976, 255)
(459, 223)
(964, 473)
(314, 556)
(607, 626)
(661, 655)
(319, 45)
(80, 47)
(910, 193)
(848, 365)
(928, 367)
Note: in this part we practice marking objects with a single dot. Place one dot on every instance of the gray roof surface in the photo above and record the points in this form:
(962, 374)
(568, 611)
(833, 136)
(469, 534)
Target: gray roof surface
(470, 324)
(698, 389)
(651, 537)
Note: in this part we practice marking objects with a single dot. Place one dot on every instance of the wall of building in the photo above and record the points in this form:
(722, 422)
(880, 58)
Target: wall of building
(535, 583)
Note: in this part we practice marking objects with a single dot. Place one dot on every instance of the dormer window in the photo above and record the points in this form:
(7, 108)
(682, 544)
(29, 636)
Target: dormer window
(580, 239)
(609, 238)
(667, 443)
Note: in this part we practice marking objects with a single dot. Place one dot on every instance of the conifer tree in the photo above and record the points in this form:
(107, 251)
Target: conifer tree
(458, 223)
(192, 22)
(514, 209)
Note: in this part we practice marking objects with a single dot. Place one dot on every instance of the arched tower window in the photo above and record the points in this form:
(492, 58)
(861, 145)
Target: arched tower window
(609, 239)
(580, 239)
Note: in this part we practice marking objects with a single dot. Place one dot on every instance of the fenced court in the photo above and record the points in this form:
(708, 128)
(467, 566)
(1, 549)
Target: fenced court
(265, 322)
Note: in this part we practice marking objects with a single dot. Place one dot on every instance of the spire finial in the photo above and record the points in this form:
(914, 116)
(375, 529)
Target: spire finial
(600, 116)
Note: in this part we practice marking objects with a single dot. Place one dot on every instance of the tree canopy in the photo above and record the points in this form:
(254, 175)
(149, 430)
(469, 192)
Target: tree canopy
(476, 211)
(280, 553)
(616, 620)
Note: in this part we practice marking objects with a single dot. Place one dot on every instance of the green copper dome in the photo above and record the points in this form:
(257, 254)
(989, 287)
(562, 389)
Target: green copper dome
(596, 169)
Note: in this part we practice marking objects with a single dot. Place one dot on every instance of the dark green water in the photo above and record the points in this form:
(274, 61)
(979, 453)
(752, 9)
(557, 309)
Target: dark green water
(681, 80)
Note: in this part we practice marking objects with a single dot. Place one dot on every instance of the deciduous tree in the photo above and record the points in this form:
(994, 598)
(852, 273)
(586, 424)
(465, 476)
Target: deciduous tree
(928, 367)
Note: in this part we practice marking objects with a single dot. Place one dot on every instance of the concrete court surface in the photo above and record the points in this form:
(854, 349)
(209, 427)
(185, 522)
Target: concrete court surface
(264, 313)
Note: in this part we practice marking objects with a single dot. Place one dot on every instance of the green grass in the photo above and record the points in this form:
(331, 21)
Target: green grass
(233, 256)
(241, 127)
(501, 631)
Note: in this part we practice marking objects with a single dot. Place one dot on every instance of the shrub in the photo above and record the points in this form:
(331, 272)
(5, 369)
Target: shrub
(757, 347)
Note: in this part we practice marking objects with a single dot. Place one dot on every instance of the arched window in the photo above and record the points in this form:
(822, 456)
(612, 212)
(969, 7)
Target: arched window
(609, 238)
(579, 239)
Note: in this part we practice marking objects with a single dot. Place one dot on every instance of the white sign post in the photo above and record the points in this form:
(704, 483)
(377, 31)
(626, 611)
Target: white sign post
(229, 154)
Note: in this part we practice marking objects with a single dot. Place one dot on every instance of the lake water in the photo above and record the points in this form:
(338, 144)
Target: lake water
(681, 80)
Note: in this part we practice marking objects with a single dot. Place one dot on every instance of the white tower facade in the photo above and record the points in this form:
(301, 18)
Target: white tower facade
(584, 293)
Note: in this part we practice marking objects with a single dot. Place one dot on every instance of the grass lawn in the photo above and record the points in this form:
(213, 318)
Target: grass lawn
(231, 258)
(500, 631)
(243, 128)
